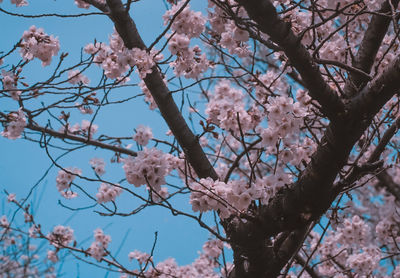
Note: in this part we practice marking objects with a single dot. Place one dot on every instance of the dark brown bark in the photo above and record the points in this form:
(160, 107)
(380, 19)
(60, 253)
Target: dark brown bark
(369, 47)
(265, 15)
(127, 30)
(386, 181)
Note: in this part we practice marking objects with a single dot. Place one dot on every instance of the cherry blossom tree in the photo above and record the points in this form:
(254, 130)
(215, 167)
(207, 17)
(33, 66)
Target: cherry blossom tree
(283, 119)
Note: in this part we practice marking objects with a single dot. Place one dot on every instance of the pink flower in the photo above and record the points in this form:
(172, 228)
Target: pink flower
(19, 3)
(4, 222)
(37, 44)
(98, 248)
(149, 167)
(107, 193)
(143, 135)
(187, 22)
(75, 77)
(11, 197)
(98, 165)
(9, 80)
(52, 256)
(61, 236)
(82, 4)
(15, 126)
(64, 180)
(88, 128)
(141, 257)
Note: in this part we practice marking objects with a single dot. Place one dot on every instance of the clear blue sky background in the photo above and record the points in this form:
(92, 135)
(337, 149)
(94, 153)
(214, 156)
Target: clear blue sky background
(23, 163)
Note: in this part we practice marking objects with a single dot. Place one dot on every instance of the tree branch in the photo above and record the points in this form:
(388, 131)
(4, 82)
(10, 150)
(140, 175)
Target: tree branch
(387, 136)
(369, 47)
(373, 96)
(386, 181)
(265, 15)
(84, 140)
(127, 30)
(344, 66)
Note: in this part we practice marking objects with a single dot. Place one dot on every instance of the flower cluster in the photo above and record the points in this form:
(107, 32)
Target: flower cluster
(107, 193)
(4, 222)
(18, 3)
(160, 195)
(284, 116)
(61, 236)
(37, 44)
(98, 165)
(213, 248)
(86, 128)
(52, 256)
(364, 263)
(351, 245)
(225, 198)
(19, 257)
(187, 22)
(143, 135)
(9, 80)
(284, 121)
(141, 257)
(149, 167)
(388, 228)
(11, 197)
(204, 266)
(34, 231)
(15, 126)
(354, 232)
(266, 187)
(190, 62)
(396, 272)
(116, 59)
(64, 180)
(83, 5)
(235, 195)
(143, 61)
(98, 249)
(231, 37)
(76, 77)
(224, 107)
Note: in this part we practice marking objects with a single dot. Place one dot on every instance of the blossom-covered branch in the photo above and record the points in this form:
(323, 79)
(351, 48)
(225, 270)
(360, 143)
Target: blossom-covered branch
(268, 21)
(154, 82)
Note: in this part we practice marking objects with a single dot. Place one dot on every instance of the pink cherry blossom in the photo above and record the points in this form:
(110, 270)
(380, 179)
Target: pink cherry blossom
(61, 236)
(37, 44)
(143, 135)
(15, 126)
(107, 193)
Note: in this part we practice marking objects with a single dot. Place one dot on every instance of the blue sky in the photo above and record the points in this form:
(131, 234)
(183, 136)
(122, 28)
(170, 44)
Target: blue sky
(23, 163)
